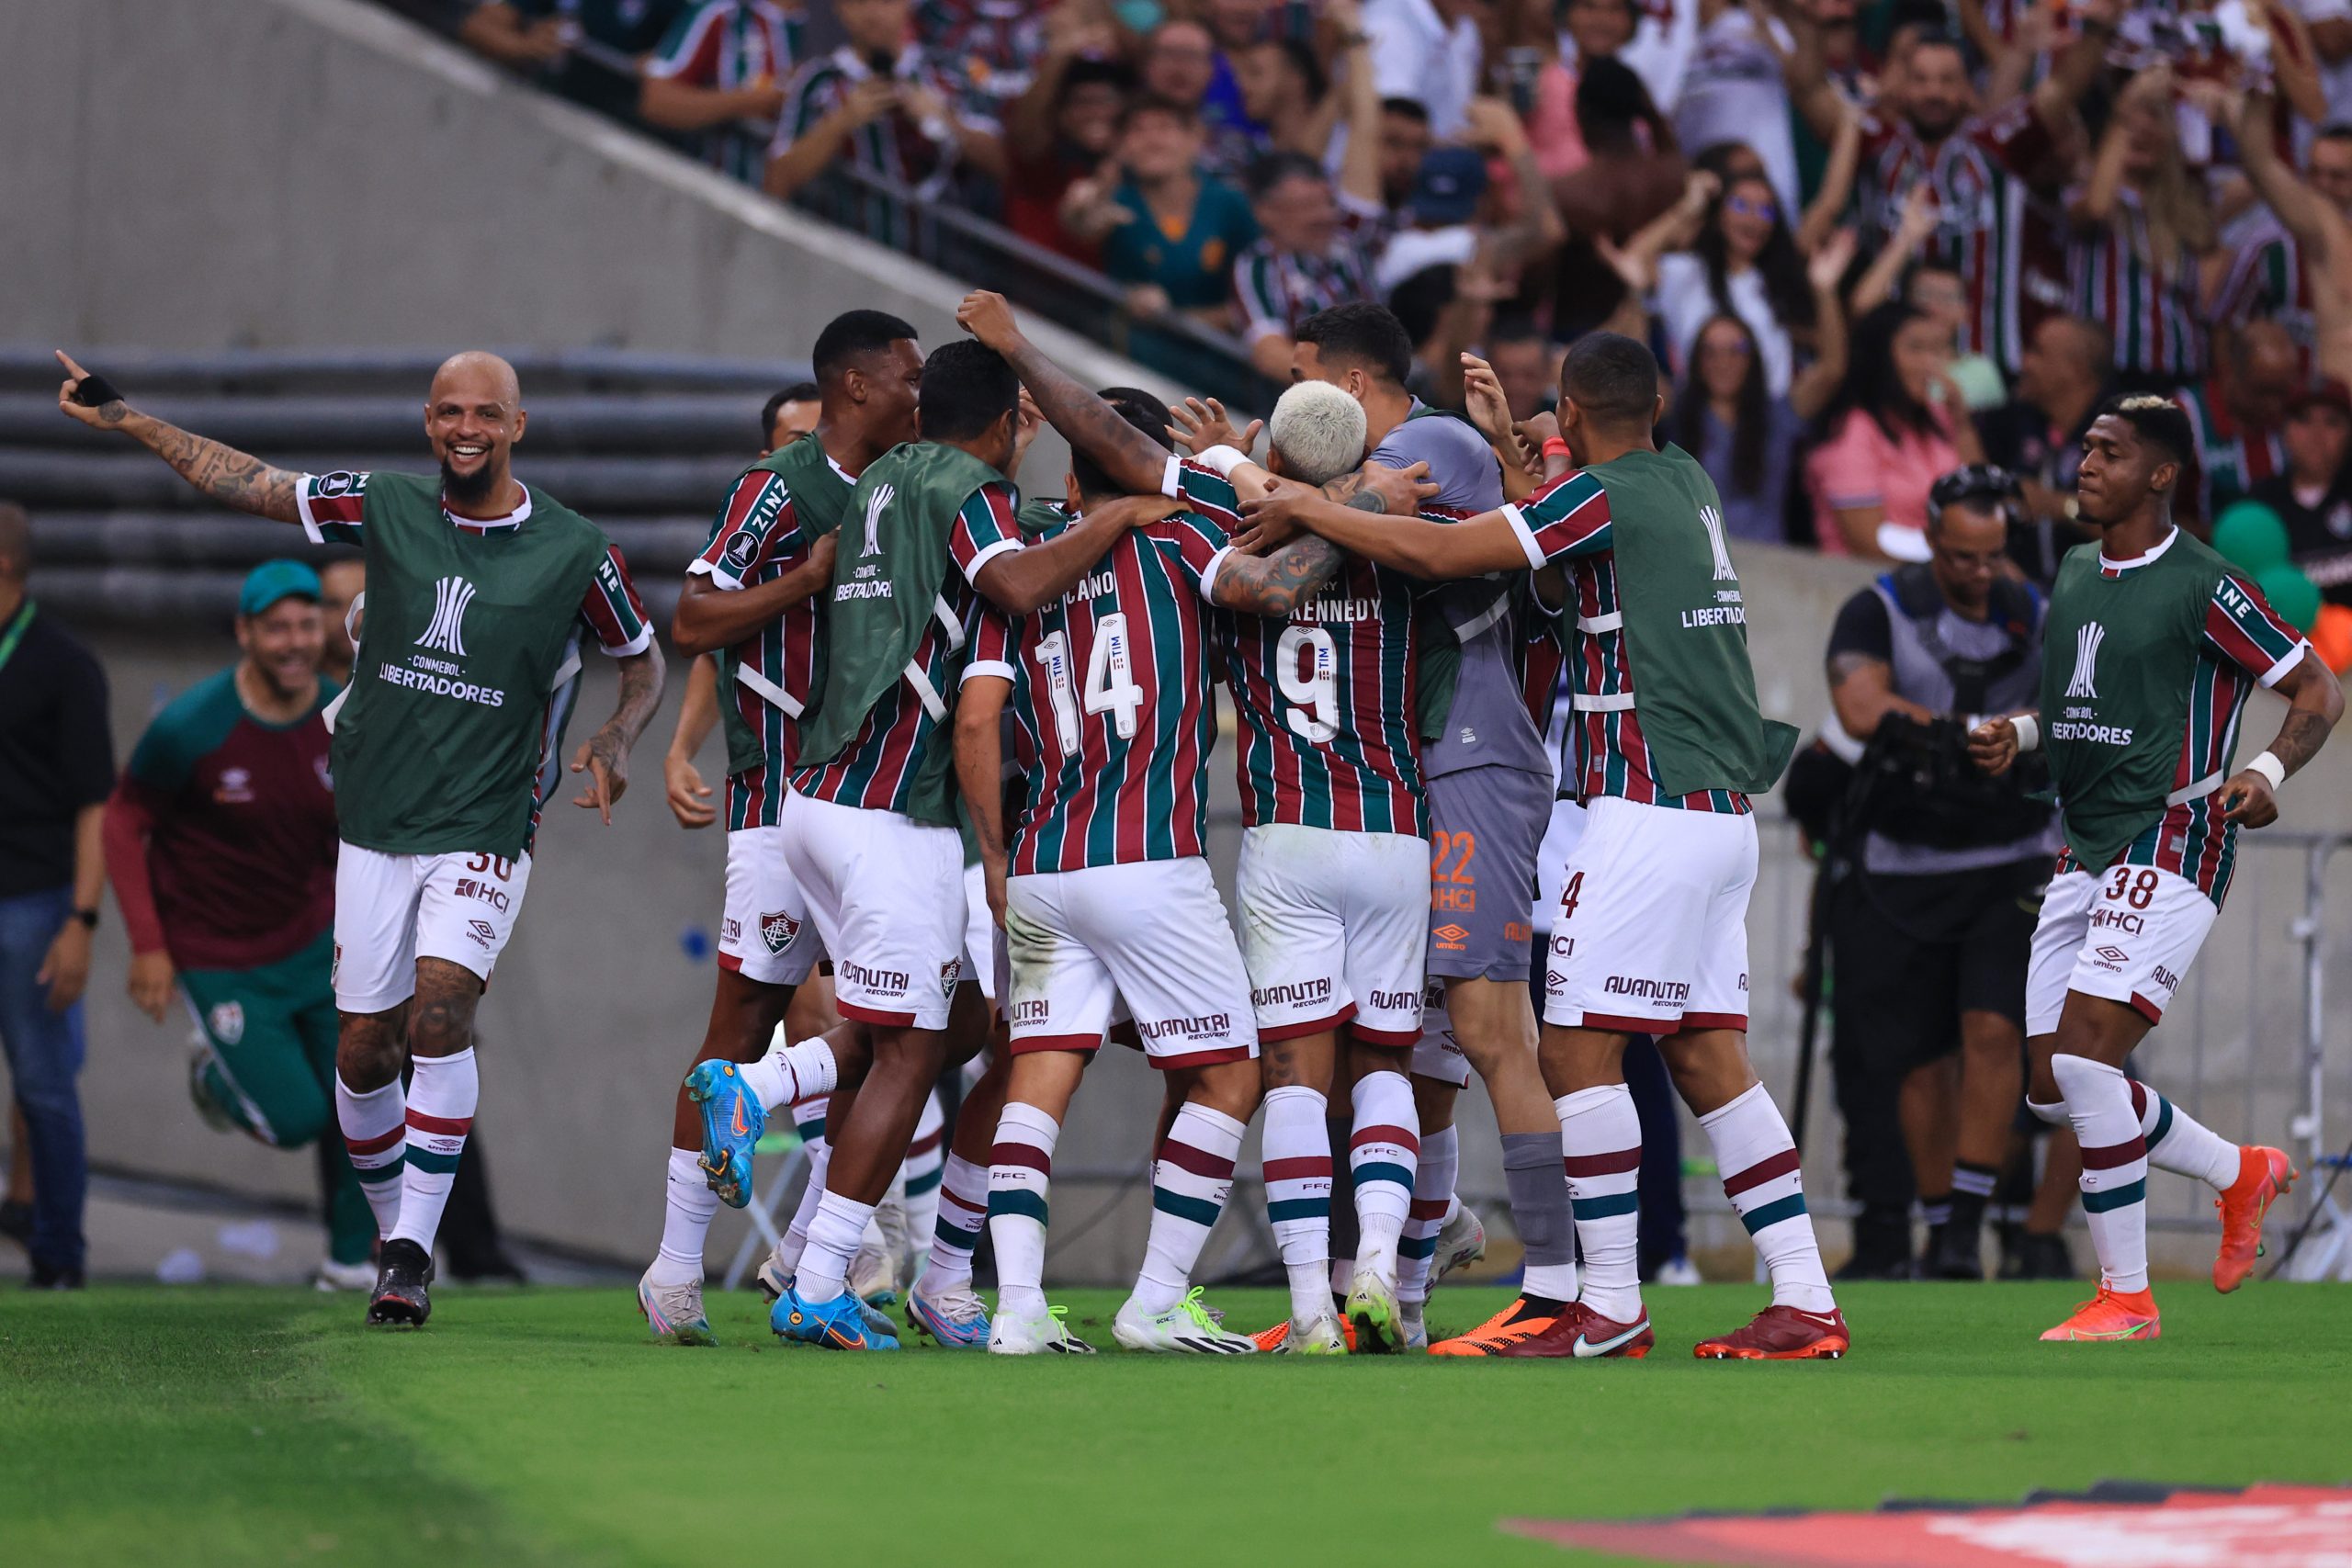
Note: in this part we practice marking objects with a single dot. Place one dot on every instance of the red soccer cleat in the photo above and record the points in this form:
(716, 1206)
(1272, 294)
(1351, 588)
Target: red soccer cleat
(2264, 1177)
(1781, 1333)
(1582, 1333)
(2111, 1315)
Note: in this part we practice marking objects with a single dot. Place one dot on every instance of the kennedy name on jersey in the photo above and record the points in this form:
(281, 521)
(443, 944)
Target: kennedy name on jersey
(1338, 610)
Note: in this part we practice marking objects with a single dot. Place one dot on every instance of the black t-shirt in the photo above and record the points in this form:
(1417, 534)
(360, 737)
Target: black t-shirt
(56, 753)
(2318, 538)
(1861, 627)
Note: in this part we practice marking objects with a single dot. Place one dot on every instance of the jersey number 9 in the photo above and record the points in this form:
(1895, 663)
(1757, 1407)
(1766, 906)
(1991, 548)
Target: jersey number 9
(1311, 685)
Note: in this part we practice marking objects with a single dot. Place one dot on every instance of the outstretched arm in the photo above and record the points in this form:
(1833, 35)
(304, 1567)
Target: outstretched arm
(1274, 584)
(1134, 461)
(1035, 575)
(2315, 702)
(2299, 206)
(1433, 550)
(225, 474)
(604, 755)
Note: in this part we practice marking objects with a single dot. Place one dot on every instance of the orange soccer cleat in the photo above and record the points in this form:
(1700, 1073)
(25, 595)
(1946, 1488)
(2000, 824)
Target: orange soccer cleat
(1781, 1333)
(1272, 1339)
(2111, 1314)
(1498, 1333)
(2264, 1177)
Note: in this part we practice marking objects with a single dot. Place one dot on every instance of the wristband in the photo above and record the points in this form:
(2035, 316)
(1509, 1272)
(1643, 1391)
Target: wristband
(2029, 730)
(2271, 768)
(1223, 460)
(89, 917)
(1557, 447)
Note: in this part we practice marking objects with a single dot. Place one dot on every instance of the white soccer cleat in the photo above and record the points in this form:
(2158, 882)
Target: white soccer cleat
(1323, 1336)
(890, 1219)
(674, 1312)
(332, 1276)
(1186, 1328)
(957, 1317)
(1412, 1321)
(1460, 1242)
(874, 1273)
(772, 1278)
(1043, 1334)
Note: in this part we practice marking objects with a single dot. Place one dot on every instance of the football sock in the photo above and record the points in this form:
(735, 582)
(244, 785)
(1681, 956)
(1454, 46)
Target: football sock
(2053, 1112)
(1972, 1188)
(1600, 1134)
(1190, 1181)
(1433, 1177)
(1337, 1126)
(442, 1094)
(921, 1176)
(963, 1210)
(790, 1245)
(1935, 1209)
(374, 1134)
(1020, 1167)
(1296, 1154)
(1538, 1184)
(1384, 1147)
(685, 1220)
(2179, 1143)
(790, 1073)
(1762, 1177)
(835, 1232)
(2115, 1167)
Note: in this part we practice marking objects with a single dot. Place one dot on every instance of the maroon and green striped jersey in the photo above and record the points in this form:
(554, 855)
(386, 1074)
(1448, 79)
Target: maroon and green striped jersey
(2269, 279)
(2231, 457)
(1989, 232)
(2244, 644)
(725, 45)
(1568, 523)
(762, 532)
(2149, 303)
(876, 771)
(1111, 704)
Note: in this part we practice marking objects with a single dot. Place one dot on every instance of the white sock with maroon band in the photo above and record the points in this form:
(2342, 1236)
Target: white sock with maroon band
(1433, 1180)
(2179, 1143)
(2115, 1167)
(963, 1210)
(790, 1245)
(1600, 1140)
(685, 1220)
(835, 1232)
(1763, 1180)
(374, 1134)
(1384, 1148)
(1021, 1169)
(1190, 1183)
(790, 1073)
(442, 1095)
(1295, 1155)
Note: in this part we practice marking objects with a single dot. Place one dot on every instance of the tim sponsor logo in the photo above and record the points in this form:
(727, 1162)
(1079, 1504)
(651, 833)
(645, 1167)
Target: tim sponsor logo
(1208, 1026)
(1298, 993)
(1676, 992)
(881, 982)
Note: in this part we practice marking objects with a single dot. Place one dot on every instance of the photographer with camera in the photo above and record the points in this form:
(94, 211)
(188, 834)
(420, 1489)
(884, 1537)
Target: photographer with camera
(1934, 876)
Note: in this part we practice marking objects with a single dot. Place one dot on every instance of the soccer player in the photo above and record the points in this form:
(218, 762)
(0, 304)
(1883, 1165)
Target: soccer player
(749, 600)
(1650, 935)
(870, 835)
(221, 843)
(478, 586)
(1106, 895)
(2141, 724)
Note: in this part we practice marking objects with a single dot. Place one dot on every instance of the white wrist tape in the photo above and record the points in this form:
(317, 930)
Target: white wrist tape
(1224, 459)
(2271, 768)
(2029, 730)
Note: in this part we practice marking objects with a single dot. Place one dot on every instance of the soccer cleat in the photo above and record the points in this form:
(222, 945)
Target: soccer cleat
(841, 1323)
(2111, 1315)
(400, 1300)
(674, 1312)
(771, 1278)
(872, 1277)
(1373, 1311)
(732, 1121)
(2264, 1176)
(890, 1219)
(1329, 1335)
(1043, 1334)
(1781, 1333)
(332, 1276)
(1412, 1321)
(1580, 1334)
(1186, 1328)
(1506, 1329)
(1460, 1242)
(955, 1319)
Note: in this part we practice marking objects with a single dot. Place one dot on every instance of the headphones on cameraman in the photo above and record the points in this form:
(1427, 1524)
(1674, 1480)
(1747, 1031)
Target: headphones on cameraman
(1974, 481)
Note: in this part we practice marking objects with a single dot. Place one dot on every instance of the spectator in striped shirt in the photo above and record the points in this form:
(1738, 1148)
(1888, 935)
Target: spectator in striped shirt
(2141, 226)
(2238, 416)
(2269, 276)
(724, 63)
(2317, 215)
(887, 106)
(1315, 250)
(2038, 437)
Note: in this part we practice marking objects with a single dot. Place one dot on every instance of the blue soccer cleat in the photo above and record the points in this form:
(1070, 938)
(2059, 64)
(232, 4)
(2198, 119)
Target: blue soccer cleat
(957, 1318)
(841, 1323)
(732, 1121)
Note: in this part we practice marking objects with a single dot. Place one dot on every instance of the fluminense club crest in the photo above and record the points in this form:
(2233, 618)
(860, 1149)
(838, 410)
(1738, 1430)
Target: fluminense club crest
(777, 928)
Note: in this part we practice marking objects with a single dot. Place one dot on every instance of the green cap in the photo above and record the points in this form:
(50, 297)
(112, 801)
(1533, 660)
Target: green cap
(276, 579)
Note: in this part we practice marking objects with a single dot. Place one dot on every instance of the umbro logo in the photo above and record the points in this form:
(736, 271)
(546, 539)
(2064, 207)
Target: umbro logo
(2112, 954)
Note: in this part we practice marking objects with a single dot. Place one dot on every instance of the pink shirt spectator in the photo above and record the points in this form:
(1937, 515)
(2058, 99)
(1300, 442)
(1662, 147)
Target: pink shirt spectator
(1859, 467)
(1551, 124)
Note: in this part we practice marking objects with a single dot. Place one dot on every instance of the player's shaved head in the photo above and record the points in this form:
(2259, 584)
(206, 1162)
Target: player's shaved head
(468, 374)
(473, 417)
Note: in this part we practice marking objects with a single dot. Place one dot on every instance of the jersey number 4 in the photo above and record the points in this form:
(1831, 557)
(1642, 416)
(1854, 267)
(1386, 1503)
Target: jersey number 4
(1110, 681)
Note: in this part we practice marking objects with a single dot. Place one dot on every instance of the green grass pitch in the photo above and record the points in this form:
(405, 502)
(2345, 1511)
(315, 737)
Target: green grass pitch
(541, 1428)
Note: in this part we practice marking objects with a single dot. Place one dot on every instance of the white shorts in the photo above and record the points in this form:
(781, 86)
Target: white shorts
(1335, 929)
(1650, 934)
(1153, 935)
(984, 955)
(1437, 1055)
(765, 934)
(390, 911)
(887, 893)
(2128, 934)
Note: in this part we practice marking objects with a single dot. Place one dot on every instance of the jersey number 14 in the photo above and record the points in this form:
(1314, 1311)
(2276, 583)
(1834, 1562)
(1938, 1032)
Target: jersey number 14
(1110, 681)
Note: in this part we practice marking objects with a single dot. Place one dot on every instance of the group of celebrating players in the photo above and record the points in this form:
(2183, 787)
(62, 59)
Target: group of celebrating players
(967, 743)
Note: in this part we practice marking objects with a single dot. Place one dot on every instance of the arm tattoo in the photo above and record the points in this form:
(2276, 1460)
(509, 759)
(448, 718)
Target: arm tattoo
(1348, 490)
(2300, 739)
(1133, 460)
(225, 474)
(1275, 584)
(641, 694)
(1844, 667)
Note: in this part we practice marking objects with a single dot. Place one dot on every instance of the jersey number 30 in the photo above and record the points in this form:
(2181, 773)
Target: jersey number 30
(1110, 681)
(1312, 683)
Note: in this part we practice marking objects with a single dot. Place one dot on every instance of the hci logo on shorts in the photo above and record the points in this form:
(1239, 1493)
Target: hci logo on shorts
(447, 631)
(777, 929)
(2084, 683)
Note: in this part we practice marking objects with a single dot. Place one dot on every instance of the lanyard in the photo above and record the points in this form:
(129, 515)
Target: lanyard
(14, 634)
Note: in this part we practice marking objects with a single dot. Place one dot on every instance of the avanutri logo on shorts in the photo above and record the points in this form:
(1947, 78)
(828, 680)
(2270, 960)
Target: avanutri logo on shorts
(447, 631)
(2084, 681)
